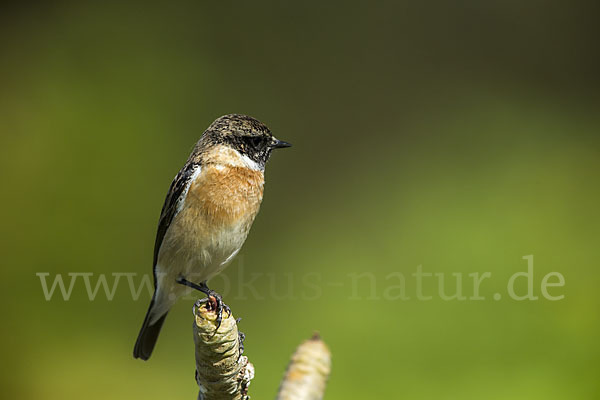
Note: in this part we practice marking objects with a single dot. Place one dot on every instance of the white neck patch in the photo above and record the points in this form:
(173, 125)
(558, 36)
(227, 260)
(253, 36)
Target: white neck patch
(249, 163)
(227, 157)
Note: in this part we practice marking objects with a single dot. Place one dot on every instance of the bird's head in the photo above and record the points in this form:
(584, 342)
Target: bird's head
(247, 135)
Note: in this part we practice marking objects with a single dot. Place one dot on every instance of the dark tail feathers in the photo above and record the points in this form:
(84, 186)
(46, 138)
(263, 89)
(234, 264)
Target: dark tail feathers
(148, 336)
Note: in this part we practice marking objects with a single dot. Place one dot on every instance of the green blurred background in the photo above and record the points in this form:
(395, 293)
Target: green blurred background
(459, 136)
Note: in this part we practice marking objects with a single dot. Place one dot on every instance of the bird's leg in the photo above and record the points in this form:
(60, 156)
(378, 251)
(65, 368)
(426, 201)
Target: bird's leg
(215, 301)
(201, 287)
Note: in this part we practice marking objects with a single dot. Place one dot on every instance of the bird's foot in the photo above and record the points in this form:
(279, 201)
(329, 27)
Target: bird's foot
(215, 303)
(214, 299)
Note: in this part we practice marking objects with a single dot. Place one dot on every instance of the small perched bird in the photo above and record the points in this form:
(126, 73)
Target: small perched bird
(207, 215)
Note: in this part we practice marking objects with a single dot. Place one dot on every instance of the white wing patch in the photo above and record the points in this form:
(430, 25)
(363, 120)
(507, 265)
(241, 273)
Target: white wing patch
(181, 200)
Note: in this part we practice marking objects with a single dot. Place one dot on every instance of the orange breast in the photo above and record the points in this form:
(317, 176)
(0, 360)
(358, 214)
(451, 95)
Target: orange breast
(226, 195)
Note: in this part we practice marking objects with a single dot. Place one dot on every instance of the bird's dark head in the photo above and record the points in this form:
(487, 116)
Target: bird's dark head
(247, 135)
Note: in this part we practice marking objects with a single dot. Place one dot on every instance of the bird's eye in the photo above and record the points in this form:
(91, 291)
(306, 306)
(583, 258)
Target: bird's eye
(255, 141)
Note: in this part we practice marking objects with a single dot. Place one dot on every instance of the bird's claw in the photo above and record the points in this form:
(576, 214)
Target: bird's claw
(215, 303)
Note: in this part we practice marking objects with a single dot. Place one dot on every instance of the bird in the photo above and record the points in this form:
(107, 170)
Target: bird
(207, 215)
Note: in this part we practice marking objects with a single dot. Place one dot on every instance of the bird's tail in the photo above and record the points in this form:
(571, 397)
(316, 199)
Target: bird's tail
(148, 334)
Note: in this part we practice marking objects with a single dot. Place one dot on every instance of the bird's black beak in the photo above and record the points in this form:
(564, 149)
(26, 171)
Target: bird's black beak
(280, 144)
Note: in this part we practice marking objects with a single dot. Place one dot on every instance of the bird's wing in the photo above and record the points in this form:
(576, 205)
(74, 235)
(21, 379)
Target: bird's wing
(173, 203)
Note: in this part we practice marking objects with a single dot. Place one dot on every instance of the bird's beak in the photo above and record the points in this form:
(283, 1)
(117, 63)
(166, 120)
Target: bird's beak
(280, 144)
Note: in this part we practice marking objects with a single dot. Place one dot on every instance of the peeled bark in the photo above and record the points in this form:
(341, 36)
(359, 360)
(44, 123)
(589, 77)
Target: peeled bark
(223, 373)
